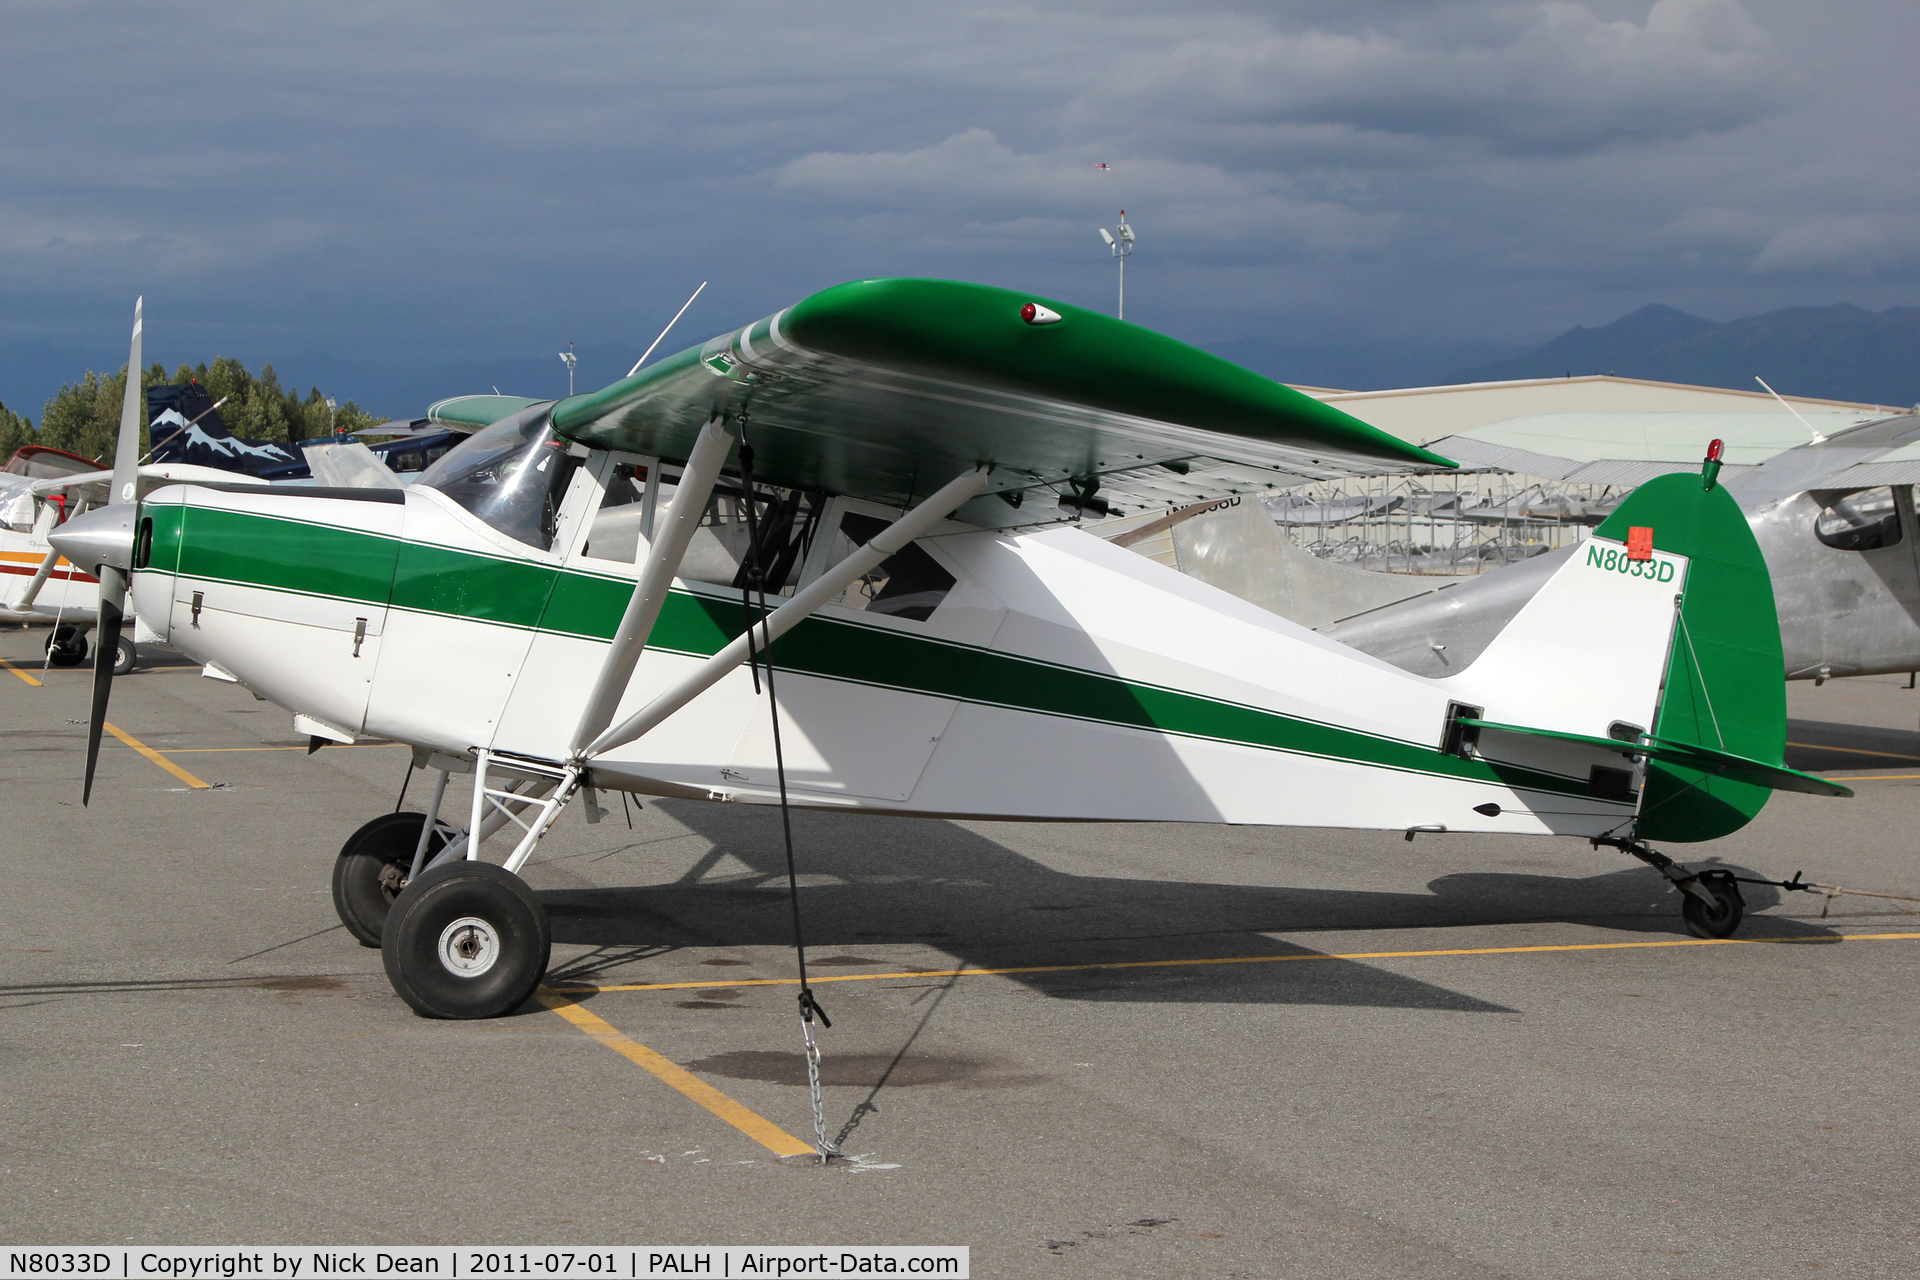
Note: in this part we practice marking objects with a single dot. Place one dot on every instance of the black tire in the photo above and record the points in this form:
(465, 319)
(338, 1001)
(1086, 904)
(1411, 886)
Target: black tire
(473, 915)
(125, 655)
(66, 647)
(372, 870)
(1706, 922)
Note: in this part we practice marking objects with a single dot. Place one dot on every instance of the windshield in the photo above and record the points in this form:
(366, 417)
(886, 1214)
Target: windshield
(512, 475)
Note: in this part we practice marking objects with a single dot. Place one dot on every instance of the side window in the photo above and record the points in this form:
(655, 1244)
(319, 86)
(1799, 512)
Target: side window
(784, 519)
(718, 551)
(1864, 521)
(907, 584)
(614, 531)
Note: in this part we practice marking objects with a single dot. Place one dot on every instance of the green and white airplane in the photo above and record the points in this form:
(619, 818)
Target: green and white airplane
(883, 480)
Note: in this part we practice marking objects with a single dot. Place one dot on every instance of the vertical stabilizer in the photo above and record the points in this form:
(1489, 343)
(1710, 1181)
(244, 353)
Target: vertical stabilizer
(1662, 624)
(1725, 686)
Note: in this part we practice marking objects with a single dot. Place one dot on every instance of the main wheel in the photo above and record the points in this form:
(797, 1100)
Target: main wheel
(466, 940)
(372, 870)
(125, 654)
(66, 647)
(1720, 920)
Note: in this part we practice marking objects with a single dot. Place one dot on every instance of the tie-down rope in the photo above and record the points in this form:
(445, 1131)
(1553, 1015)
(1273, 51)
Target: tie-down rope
(755, 583)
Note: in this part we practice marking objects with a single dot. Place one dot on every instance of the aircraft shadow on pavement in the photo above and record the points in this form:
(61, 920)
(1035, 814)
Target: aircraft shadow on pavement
(1815, 745)
(870, 880)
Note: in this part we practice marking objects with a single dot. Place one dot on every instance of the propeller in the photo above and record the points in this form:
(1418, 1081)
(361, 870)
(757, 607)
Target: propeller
(107, 544)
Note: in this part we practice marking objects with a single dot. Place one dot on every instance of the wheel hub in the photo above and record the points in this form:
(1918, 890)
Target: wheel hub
(393, 878)
(469, 947)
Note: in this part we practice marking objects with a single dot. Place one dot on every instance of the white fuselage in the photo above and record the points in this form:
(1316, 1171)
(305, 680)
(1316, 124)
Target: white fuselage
(1059, 677)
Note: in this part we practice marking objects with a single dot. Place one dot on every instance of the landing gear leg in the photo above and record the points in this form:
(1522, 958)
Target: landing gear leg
(465, 938)
(1711, 905)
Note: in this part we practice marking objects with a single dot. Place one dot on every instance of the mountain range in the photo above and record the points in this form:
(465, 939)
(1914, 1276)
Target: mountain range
(1841, 352)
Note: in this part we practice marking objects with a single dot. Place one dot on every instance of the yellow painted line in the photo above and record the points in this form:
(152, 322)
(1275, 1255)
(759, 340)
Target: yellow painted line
(1851, 751)
(1872, 777)
(1175, 964)
(32, 680)
(331, 746)
(156, 757)
(755, 1126)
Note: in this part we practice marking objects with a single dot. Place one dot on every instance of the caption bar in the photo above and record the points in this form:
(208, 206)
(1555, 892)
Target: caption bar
(625, 1262)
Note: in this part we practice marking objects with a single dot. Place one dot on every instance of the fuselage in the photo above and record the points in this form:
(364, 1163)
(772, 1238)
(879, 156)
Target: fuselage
(1035, 676)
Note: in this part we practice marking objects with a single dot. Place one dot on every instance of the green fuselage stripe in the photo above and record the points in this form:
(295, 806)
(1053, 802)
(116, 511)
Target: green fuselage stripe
(315, 559)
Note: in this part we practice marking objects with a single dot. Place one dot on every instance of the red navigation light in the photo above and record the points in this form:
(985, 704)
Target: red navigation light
(1034, 313)
(1713, 451)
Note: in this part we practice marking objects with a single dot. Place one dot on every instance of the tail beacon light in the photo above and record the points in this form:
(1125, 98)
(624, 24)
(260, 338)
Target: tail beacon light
(1034, 313)
(1710, 468)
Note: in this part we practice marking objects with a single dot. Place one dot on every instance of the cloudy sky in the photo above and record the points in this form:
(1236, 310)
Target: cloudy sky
(432, 182)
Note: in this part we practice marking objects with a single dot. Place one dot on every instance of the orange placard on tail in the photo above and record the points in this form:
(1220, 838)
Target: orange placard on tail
(1639, 543)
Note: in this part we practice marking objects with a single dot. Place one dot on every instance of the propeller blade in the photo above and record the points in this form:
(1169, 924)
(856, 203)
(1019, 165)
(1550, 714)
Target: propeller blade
(115, 562)
(133, 416)
(113, 596)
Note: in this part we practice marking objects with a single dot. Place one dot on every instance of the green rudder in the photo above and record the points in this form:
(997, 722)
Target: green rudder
(1725, 686)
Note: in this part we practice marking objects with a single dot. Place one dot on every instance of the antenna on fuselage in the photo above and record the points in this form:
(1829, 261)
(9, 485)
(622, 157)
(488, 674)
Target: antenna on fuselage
(1818, 436)
(664, 332)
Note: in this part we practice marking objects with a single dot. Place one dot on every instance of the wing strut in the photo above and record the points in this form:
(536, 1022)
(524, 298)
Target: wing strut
(664, 554)
(804, 602)
(31, 592)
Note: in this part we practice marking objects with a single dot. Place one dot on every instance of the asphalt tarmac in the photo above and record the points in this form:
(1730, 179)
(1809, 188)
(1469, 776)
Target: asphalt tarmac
(1221, 1052)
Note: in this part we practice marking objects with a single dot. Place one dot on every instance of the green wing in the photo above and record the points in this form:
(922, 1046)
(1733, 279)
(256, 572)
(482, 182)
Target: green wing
(887, 389)
(474, 412)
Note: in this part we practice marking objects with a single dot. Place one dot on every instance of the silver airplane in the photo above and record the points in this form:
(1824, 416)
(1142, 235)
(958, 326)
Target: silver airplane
(1834, 518)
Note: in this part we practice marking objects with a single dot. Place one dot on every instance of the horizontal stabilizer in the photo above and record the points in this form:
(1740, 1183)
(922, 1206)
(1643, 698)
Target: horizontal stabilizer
(1691, 756)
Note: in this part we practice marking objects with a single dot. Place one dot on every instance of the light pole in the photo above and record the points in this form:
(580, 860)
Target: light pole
(330, 407)
(1120, 241)
(570, 358)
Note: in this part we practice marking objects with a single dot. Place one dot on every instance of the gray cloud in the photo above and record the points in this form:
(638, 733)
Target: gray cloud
(1549, 77)
(435, 179)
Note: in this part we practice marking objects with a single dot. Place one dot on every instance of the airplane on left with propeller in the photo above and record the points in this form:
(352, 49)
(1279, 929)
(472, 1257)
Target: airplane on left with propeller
(40, 489)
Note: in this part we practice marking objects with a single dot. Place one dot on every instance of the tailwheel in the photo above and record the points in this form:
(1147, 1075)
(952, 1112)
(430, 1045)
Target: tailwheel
(66, 647)
(1721, 919)
(466, 940)
(372, 870)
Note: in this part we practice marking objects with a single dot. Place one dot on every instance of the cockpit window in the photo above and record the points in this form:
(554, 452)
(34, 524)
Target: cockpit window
(907, 584)
(1864, 521)
(512, 475)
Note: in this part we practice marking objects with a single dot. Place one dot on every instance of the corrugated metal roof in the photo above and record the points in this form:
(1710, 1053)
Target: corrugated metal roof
(1479, 453)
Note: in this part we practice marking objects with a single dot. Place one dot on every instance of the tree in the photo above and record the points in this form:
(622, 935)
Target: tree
(14, 432)
(84, 417)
